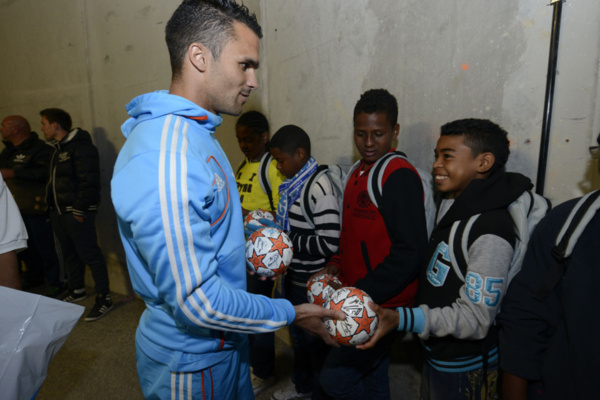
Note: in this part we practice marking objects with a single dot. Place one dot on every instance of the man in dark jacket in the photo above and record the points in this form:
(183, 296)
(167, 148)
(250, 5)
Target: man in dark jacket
(73, 196)
(549, 342)
(24, 165)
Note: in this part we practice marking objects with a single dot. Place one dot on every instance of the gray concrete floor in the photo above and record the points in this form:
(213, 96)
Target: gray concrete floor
(98, 360)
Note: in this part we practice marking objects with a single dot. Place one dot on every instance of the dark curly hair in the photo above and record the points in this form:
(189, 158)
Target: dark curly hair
(482, 136)
(255, 121)
(378, 101)
(289, 138)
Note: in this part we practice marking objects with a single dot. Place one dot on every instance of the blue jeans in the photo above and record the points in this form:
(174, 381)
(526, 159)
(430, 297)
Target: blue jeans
(79, 246)
(439, 385)
(262, 345)
(351, 374)
(309, 351)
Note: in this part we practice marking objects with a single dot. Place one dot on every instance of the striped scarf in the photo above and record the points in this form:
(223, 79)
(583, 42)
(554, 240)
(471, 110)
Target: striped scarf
(289, 192)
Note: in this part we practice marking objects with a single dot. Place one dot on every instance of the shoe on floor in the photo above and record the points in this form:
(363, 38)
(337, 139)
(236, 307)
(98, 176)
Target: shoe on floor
(73, 296)
(101, 308)
(260, 385)
(290, 393)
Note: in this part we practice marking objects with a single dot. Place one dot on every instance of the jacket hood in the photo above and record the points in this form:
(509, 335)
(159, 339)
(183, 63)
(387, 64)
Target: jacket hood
(75, 135)
(481, 195)
(161, 103)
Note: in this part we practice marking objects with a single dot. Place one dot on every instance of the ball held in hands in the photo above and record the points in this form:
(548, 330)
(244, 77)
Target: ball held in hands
(269, 252)
(319, 289)
(361, 321)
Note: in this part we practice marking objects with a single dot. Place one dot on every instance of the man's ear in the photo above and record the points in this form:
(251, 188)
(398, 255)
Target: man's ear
(198, 55)
(486, 162)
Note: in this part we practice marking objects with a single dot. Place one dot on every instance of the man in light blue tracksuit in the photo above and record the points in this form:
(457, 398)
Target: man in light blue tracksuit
(180, 218)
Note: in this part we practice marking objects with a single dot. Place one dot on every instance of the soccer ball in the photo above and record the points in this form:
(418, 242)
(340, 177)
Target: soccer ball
(361, 321)
(253, 217)
(269, 251)
(318, 289)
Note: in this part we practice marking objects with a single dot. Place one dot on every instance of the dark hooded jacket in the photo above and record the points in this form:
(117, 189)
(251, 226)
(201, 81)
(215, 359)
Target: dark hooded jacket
(556, 340)
(31, 161)
(75, 174)
(460, 313)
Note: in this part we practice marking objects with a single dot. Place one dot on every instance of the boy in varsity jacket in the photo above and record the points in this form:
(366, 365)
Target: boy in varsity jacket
(457, 309)
(252, 133)
(290, 147)
(381, 249)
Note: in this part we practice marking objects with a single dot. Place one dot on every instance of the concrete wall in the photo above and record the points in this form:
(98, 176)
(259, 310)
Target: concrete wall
(443, 60)
(89, 58)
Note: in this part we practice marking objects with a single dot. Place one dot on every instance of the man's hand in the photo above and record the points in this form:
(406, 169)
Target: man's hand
(310, 318)
(78, 218)
(388, 321)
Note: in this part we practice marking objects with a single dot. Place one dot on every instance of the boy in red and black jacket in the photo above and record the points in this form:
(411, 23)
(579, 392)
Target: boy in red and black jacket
(381, 249)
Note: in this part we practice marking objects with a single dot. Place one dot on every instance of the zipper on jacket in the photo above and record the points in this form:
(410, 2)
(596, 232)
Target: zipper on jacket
(53, 177)
(49, 179)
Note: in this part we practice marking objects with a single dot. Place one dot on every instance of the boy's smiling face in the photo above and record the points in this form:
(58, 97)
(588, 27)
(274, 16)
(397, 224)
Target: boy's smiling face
(455, 166)
(373, 135)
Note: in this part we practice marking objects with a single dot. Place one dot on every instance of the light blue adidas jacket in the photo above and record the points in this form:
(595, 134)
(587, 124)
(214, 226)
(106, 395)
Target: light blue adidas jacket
(180, 221)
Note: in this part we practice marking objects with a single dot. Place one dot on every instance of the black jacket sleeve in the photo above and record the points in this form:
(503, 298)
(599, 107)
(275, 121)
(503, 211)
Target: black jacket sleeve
(403, 212)
(86, 170)
(526, 324)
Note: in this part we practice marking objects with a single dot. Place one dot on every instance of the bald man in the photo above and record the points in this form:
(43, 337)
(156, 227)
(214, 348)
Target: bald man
(25, 166)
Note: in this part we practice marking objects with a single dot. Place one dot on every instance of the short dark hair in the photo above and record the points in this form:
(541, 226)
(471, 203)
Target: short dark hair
(61, 117)
(209, 22)
(482, 136)
(289, 138)
(255, 121)
(378, 101)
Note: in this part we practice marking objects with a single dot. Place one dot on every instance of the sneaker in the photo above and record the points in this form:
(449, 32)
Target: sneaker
(290, 393)
(101, 308)
(73, 296)
(259, 385)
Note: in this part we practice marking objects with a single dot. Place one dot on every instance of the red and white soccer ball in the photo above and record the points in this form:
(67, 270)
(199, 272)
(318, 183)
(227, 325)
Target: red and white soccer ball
(253, 217)
(319, 289)
(269, 251)
(361, 321)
